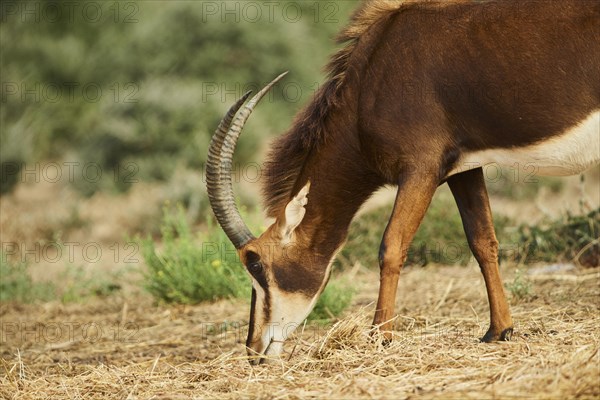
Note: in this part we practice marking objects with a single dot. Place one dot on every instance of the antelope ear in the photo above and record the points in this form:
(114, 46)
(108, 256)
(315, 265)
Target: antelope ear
(294, 213)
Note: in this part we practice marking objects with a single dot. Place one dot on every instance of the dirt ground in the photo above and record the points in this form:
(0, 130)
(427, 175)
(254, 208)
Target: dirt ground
(126, 347)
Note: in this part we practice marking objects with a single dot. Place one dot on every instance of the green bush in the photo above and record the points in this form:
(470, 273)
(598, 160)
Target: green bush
(188, 268)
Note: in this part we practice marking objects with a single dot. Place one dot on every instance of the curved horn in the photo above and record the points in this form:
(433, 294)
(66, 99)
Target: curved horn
(219, 166)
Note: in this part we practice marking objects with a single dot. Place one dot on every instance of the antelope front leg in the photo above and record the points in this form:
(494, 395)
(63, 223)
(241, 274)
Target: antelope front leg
(413, 198)
(471, 197)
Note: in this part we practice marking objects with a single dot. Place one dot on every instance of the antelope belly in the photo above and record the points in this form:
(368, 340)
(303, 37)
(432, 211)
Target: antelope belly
(570, 153)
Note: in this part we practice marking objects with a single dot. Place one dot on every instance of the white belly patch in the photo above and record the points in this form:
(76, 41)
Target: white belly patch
(570, 153)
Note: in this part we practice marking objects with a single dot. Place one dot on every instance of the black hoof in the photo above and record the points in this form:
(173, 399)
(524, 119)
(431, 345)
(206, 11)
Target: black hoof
(377, 336)
(492, 336)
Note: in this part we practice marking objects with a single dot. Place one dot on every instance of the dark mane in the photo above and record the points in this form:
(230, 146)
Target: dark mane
(290, 151)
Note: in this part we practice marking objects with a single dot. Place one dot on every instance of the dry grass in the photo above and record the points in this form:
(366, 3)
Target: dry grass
(136, 350)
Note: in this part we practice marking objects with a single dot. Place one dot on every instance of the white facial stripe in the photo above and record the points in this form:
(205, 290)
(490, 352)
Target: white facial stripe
(571, 153)
(259, 313)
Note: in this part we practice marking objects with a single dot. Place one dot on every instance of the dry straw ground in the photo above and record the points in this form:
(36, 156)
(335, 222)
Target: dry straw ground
(128, 348)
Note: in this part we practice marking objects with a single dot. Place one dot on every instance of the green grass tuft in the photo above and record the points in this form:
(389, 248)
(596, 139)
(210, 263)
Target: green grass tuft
(190, 268)
(520, 288)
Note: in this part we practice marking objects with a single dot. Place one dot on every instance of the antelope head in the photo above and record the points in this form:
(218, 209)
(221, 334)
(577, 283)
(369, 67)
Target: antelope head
(287, 277)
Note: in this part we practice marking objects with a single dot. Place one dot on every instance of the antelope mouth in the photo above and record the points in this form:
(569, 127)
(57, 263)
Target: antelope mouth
(270, 353)
(256, 357)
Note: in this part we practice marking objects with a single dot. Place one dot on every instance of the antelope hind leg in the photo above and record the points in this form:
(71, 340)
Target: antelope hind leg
(471, 197)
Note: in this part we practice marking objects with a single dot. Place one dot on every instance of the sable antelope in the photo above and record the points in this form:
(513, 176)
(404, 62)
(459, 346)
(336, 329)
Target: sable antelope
(423, 93)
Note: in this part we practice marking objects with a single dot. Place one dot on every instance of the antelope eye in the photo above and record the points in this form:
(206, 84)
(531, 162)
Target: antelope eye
(255, 267)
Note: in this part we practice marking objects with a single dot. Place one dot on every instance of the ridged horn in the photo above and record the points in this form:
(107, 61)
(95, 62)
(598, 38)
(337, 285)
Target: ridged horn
(219, 166)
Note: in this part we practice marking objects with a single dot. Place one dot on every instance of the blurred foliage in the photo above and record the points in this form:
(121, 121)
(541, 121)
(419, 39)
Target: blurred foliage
(517, 184)
(440, 238)
(78, 284)
(572, 238)
(147, 82)
(336, 297)
(17, 285)
(74, 284)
